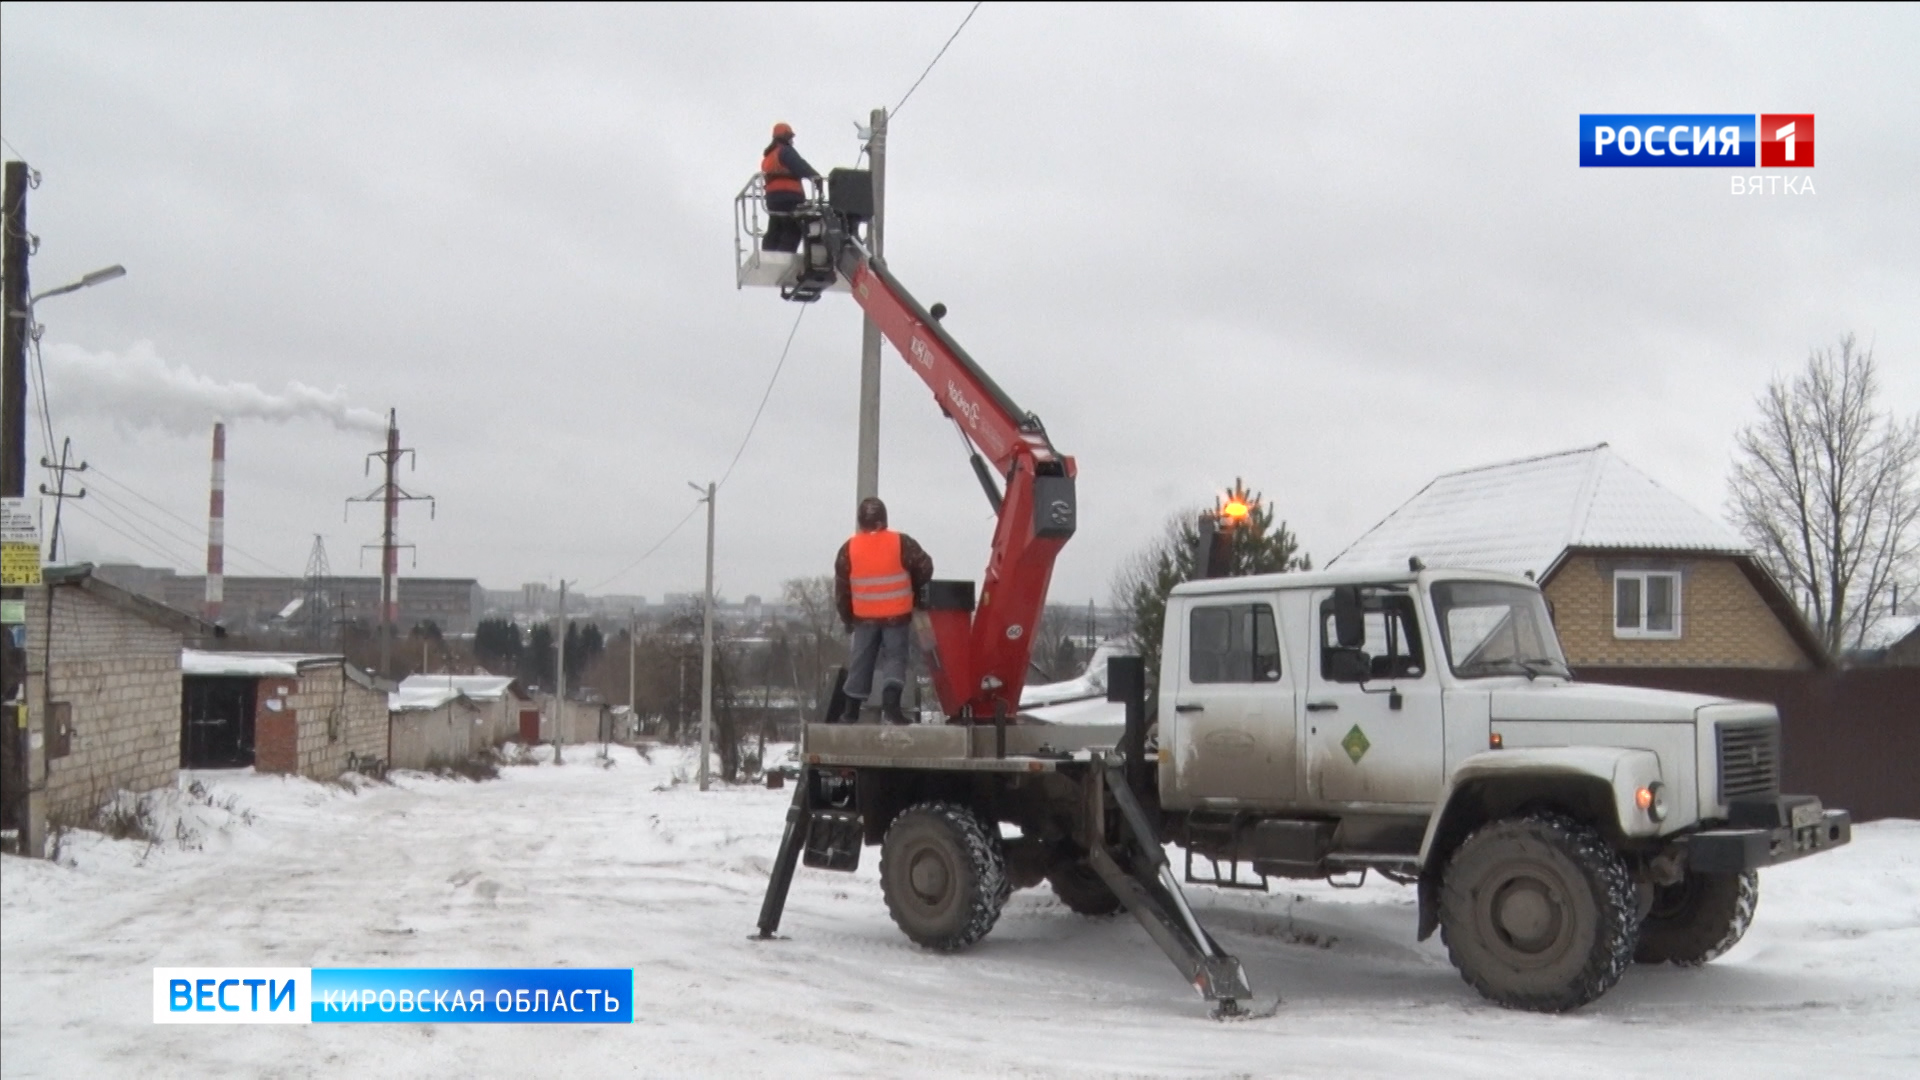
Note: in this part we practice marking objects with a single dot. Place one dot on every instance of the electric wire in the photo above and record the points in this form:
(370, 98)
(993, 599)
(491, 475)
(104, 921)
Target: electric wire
(936, 58)
(155, 537)
(768, 393)
(765, 396)
(193, 527)
(166, 559)
(597, 586)
(40, 393)
(133, 519)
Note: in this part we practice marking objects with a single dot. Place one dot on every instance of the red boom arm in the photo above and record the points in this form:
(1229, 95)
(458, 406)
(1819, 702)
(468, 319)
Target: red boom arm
(980, 657)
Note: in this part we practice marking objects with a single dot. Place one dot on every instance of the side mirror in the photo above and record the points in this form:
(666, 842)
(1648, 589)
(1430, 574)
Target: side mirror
(1346, 665)
(1349, 625)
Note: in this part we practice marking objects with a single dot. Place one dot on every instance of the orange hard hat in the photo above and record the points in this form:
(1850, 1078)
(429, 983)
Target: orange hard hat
(782, 131)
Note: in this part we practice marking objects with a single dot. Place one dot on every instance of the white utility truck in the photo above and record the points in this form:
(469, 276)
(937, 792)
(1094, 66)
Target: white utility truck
(1421, 725)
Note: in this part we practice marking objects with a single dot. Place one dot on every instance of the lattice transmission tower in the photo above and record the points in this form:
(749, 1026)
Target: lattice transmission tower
(316, 608)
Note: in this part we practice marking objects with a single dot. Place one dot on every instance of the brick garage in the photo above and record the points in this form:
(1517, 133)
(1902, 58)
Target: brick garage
(313, 716)
(502, 698)
(436, 727)
(103, 693)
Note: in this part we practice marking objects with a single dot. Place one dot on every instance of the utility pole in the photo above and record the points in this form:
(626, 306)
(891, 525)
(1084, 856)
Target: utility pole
(633, 625)
(59, 492)
(869, 466)
(15, 307)
(18, 306)
(706, 647)
(390, 495)
(560, 677)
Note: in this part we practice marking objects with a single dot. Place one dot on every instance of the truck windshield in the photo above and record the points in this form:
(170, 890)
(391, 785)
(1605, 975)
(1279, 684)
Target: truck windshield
(1490, 628)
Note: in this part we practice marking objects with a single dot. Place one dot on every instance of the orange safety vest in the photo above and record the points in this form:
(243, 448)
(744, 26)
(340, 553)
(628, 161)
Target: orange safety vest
(778, 178)
(881, 587)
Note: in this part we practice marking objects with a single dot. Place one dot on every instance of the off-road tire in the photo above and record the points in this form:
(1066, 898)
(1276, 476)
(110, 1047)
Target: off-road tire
(1538, 913)
(944, 876)
(1079, 887)
(1698, 918)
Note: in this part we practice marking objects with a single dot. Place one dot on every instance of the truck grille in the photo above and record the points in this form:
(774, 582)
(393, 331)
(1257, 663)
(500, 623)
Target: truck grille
(1749, 760)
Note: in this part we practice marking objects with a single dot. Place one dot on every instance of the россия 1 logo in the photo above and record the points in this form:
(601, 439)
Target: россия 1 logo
(1696, 140)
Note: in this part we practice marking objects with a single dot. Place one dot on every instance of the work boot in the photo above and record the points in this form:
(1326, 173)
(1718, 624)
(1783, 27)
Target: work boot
(890, 706)
(850, 712)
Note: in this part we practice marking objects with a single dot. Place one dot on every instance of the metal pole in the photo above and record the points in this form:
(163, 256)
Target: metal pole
(869, 467)
(560, 678)
(706, 653)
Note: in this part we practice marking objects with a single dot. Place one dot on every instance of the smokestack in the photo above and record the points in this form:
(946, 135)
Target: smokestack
(217, 526)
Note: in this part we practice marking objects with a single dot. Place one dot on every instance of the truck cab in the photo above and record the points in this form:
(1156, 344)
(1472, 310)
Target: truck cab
(1424, 724)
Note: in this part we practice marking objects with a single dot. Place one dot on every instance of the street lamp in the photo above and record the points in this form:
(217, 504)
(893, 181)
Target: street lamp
(98, 277)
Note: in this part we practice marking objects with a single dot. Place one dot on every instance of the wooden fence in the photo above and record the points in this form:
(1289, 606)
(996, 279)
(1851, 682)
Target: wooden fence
(1851, 737)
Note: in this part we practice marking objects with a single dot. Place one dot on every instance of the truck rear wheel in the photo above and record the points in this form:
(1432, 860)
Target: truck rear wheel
(1538, 913)
(943, 875)
(1698, 918)
(1079, 887)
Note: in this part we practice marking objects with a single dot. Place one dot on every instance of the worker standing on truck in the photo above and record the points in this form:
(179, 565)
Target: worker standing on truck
(876, 580)
(785, 173)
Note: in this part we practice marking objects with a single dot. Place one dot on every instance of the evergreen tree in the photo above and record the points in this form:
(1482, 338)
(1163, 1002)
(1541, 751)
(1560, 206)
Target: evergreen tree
(497, 645)
(1256, 545)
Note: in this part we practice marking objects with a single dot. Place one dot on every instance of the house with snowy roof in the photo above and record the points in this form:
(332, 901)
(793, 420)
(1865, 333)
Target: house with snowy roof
(1636, 576)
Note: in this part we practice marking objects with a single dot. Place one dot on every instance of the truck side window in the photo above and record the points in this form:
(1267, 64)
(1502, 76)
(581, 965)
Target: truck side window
(1392, 649)
(1233, 643)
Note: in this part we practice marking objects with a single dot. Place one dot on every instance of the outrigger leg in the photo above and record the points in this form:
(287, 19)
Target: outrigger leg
(1147, 887)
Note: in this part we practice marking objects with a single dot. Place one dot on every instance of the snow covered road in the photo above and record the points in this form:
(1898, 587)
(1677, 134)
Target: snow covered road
(619, 867)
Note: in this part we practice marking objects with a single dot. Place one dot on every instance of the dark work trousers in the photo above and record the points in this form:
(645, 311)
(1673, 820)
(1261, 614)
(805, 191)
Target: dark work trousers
(783, 228)
(876, 642)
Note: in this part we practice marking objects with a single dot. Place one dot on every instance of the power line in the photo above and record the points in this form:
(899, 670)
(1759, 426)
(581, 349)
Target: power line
(15, 149)
(165, 558)
(132, 519)
(936, 57)
(193, 527)
(46, 414)
(765, 395)
(596, 587)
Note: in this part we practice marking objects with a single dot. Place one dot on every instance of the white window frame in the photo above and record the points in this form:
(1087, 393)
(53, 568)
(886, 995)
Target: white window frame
(1641, 631)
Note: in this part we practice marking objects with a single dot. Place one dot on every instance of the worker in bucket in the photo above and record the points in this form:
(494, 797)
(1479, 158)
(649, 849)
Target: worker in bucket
(876, 579)
(785, 172)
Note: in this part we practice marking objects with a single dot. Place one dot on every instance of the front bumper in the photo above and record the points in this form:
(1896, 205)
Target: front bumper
(1767, 832)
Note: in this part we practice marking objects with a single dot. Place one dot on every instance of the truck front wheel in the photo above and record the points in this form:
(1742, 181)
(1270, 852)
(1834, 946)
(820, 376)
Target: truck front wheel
(1538, 913)
(1698, 918)
(944, 876)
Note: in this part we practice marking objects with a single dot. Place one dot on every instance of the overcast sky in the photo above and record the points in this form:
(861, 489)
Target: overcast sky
(1334, 251)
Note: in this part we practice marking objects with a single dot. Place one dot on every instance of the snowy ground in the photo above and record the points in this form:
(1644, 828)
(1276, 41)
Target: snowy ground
(619, 867)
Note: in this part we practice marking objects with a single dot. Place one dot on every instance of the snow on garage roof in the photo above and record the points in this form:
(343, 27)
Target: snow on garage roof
(422, 698)
(1522, 515)
(477, 687)
(247, 664)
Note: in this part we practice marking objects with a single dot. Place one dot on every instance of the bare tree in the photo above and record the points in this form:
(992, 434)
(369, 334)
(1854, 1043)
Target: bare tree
(819, 643)
(1827, 489)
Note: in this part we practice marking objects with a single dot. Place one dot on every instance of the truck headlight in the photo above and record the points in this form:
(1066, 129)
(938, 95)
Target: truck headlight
(1653, 800)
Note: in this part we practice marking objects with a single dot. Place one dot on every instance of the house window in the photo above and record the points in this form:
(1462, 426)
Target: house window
(1646, 604)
